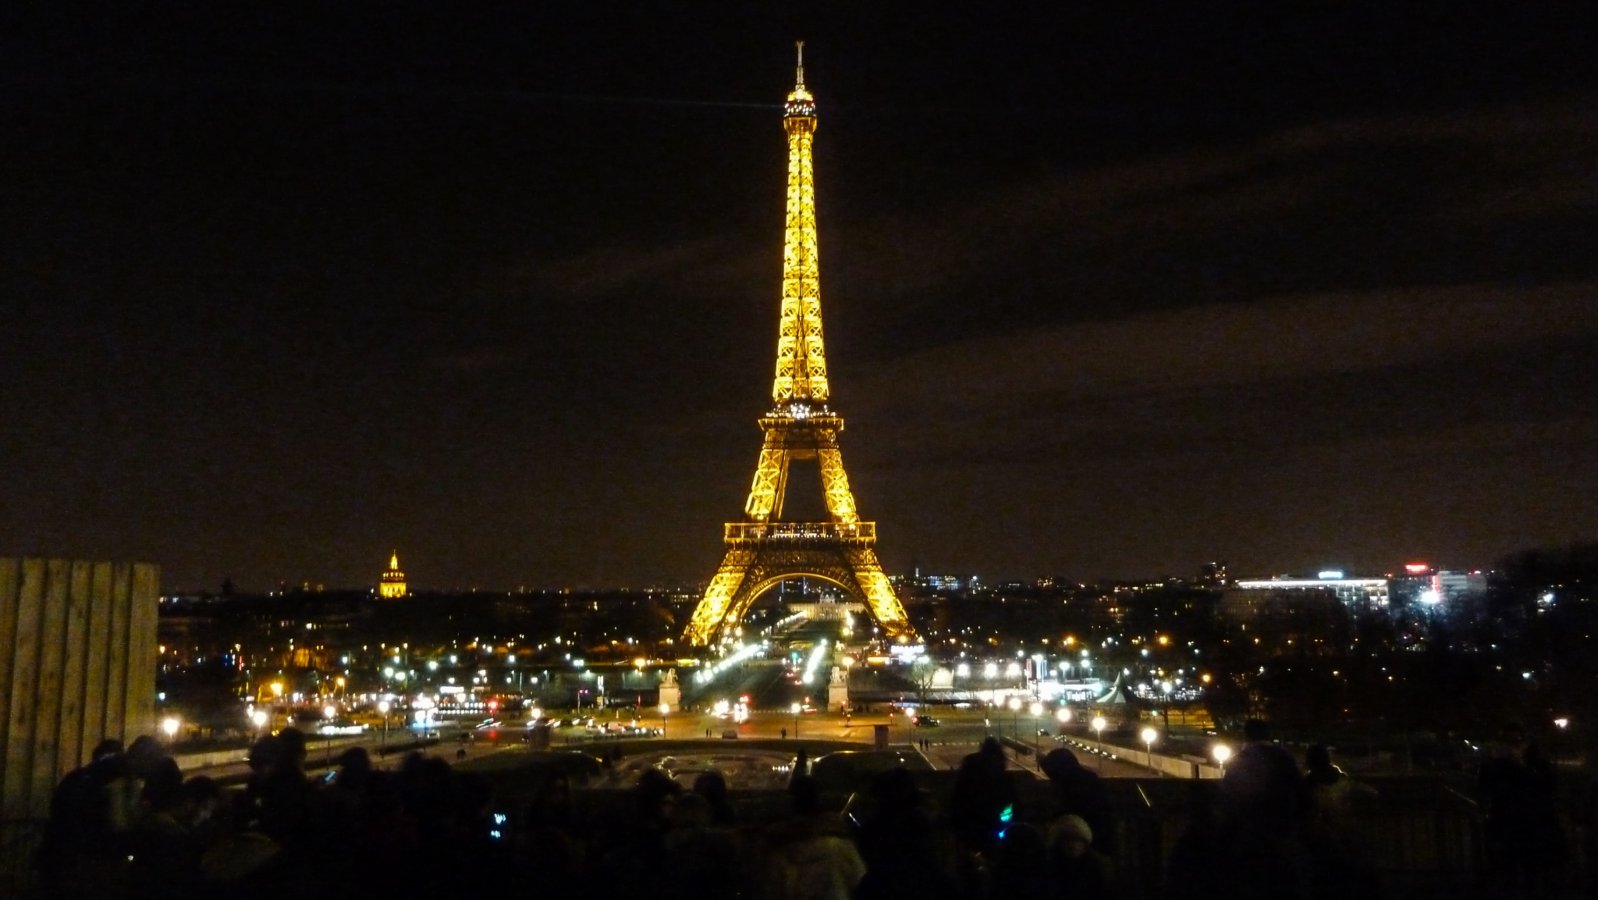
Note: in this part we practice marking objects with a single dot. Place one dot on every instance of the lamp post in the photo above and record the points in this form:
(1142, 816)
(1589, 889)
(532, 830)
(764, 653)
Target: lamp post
(795, 709)
(1037, 710)
(170, 726)
(277, 698)
(258, 717)
(1015, 712)
(1063, 716)
(1098, 735)
(664, 709)
(328, 712)
(1222, 753)
(1148, 735)
(383, 707)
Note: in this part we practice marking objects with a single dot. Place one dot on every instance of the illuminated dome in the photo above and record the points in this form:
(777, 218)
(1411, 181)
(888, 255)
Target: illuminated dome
(391, 585)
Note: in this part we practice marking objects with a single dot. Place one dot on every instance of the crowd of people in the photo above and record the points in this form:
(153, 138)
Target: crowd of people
(128, 824)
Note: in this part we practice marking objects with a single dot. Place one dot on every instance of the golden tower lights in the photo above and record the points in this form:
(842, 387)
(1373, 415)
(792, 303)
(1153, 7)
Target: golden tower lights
(762, 550)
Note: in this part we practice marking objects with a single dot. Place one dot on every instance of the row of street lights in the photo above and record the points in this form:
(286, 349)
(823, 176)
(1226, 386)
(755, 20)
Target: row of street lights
(1220, 752)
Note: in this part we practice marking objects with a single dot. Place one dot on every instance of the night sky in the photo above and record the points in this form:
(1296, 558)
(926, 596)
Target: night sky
(1109, 290)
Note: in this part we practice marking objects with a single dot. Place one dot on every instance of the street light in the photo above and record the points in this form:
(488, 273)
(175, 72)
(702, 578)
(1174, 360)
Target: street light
(1015, 711)
(1222, 753)
(795, 709)
(1098, 736)
(169, 725)
(664, 709)
(1063, 715)
(1148, 735)
(383, 707)
(259, 718)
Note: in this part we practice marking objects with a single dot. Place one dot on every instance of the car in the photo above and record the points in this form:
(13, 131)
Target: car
(926, 722)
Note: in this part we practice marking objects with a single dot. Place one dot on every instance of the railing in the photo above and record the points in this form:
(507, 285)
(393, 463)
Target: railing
(801, 531)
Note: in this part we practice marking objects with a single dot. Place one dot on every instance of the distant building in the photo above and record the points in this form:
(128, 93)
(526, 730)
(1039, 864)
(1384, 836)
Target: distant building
(1212, 575)
(391, 586)
(1358, 594)
(1423, 586)
(1310, 616)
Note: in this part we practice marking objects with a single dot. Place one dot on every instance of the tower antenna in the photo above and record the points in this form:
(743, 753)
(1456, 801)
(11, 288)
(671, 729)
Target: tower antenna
(801, 47)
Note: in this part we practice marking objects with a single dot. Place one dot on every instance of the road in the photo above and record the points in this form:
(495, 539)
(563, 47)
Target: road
(960, 732)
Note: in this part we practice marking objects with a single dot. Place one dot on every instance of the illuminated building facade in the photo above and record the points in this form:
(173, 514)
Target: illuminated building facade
(764, 549)
(1423, 586)
(391, 586)
(1355, 593)
(1312, 616)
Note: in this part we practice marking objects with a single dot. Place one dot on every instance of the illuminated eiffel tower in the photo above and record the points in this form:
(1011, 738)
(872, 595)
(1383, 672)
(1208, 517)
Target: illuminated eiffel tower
(763, 549)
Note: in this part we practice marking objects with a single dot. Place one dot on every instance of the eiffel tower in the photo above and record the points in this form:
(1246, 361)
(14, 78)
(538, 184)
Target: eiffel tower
(764, 549)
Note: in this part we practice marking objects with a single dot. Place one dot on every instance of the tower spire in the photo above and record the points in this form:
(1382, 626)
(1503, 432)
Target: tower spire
(801, 376)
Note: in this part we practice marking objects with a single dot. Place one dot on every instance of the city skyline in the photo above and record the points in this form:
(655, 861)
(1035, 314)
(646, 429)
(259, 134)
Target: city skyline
(1105, 298)
(1197, 572)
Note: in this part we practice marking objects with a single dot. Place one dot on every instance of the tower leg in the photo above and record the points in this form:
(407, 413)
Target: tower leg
(880, 598)
(717, 602)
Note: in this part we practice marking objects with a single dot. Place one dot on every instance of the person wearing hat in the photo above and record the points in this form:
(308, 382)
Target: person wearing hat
(1079, 791)
(1080, 872)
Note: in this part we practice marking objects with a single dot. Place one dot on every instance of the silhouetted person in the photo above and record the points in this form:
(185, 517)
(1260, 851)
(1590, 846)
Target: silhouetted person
(712, 786)
(903, 852)
(281, 795)
(980, 797)
(1329, 802)
(981, 805)
(1193, 867)
(1330, 798)
(549, 840)
(79, 828)
(1257, 822)
(1079, 872)
(812, 857)
(1525, 844)
(633, 852)
(1261, 784)
(706, 859)
(163, 862)
(1080, 792)
(1020, 867)
(1585, 815)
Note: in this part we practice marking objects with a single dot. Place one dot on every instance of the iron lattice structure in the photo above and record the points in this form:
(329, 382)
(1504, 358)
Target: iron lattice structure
(763, 549)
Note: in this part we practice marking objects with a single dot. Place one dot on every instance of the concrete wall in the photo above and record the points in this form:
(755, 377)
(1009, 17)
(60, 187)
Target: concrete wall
(1170, 766)
(77, 665)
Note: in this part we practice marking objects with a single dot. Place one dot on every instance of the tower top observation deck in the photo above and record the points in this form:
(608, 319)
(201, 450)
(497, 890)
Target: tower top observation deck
(800, 103)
